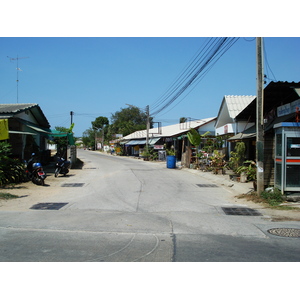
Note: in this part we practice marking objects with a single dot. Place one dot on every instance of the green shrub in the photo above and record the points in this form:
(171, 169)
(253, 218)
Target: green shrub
(11, 170)
(274, 197)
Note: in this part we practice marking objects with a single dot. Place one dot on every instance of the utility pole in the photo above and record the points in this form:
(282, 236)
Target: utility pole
(71, 114)
(259, 117)
(148, 127)
(18, 69)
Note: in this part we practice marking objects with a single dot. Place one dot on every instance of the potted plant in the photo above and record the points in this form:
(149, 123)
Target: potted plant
(218, 162)
(171, 158)
(249, 168)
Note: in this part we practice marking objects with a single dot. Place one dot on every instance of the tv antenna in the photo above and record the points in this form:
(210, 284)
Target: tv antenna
(18, 69)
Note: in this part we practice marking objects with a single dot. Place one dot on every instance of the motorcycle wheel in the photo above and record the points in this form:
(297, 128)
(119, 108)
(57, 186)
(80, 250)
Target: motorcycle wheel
(40, 181)
(56, 172)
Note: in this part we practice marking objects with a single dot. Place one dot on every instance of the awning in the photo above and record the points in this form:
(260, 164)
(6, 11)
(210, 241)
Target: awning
(48, 132)
(152, 141)
(21, 132)
(136, 142)
(242, 136)
(247, 134)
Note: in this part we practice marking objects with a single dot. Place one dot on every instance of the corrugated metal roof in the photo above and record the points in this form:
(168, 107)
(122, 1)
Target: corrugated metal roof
(15, 108)
(11, 110)
(231, 106)
(169, 131)
(236, 104)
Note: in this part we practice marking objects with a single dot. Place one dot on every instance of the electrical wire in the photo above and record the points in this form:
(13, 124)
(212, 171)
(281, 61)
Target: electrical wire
(210, 54)
(267, 63)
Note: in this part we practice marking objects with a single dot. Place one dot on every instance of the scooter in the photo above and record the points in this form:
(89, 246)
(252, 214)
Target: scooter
(38, 175)
(62, 166)
(35, 173)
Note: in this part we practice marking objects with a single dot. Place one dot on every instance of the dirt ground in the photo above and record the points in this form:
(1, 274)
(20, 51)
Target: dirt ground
(30, 194)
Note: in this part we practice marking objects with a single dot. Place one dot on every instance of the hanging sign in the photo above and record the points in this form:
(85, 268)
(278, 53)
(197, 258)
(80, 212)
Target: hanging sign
(4, 135)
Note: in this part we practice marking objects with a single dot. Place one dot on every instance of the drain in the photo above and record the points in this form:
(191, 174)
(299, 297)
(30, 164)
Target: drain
(240, 211)
(207, 185)
(49, 205)
(285, 232)
(72, 185)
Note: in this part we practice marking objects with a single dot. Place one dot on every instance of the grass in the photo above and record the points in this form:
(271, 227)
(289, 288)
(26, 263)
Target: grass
(7, 196)
(269, 199)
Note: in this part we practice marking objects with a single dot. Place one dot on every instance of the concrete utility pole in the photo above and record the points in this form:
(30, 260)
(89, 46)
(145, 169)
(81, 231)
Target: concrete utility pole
(148, 127)
(259, 117)
(71, 114)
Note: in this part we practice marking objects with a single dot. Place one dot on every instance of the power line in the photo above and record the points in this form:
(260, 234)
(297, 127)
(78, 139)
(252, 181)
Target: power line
(210, 54)
(267, 62)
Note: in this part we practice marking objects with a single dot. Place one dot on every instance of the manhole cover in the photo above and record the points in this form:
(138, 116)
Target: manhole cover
(72, 185)
(207, 185)
(240, 211)
(49, 205)
(286, 232)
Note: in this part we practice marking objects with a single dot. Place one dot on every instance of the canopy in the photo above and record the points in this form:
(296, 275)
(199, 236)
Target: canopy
(50, 133)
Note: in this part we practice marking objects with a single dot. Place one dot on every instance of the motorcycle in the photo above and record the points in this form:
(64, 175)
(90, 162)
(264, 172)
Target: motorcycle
(35, 173)
(62, 166)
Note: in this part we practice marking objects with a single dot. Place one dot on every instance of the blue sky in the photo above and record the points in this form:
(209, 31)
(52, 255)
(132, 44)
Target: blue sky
(109, 57)
(98, 76)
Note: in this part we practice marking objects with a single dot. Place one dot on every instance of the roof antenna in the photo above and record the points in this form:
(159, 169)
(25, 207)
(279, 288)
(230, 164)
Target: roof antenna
(18, 69)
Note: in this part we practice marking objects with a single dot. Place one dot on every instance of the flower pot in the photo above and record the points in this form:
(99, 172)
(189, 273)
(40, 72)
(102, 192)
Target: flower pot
(243, 178)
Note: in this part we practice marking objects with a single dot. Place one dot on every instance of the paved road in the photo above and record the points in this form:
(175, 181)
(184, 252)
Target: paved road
(120, 209)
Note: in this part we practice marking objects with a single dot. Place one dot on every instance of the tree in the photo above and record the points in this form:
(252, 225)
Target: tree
(88, 138)
(62, 142)
(99, 123)
(128, 120)
(182, 120)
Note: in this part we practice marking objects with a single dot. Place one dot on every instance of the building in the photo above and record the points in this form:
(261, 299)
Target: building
(226, 124)
(281, 105)
(29, 130)
(164, 137)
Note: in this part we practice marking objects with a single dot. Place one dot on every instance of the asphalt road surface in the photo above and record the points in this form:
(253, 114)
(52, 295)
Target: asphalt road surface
(120, 209)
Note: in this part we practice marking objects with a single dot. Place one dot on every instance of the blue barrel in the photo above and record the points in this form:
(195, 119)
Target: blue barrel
(171, 161)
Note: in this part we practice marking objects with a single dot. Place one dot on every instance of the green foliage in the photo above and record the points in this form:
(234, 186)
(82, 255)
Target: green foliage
(170, 151)
(273, 197)
(128, 120)
(99, 123)
(237, 157)
(7, 196)
(217, 160)
(88, 138)
(11, 170)
(150, 154)
(195, 138)
(249, 167)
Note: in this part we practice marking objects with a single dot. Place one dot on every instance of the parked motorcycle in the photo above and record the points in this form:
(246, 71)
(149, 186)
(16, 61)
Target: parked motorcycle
(35, 171)
(62, 166)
